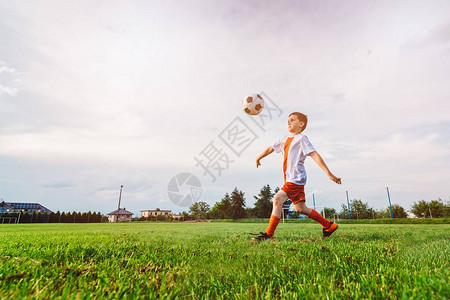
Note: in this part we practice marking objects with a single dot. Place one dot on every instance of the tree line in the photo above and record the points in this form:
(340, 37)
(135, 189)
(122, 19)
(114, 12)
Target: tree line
(421, 209)
(58, 217)
(232, 206)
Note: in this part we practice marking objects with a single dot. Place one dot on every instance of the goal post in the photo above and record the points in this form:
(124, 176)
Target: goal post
(10, 218)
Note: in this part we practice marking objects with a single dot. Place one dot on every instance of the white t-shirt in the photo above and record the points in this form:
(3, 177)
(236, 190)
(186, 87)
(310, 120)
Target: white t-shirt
(294, 157)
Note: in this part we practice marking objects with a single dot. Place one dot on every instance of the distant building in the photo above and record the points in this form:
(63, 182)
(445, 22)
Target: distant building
(5, 207)
(23, 207)
(410, 215)
(177, 216)
(124, 215)
(155, 212)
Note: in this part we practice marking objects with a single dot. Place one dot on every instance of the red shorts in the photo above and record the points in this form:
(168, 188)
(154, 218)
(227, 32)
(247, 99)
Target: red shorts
(295, 192)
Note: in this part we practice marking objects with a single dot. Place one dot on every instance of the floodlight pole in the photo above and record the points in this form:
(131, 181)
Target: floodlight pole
(390, 205)
(118, 207)
(348, 206)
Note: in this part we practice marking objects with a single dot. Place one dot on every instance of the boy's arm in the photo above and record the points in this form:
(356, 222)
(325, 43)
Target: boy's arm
(318, 159)
(264, 154)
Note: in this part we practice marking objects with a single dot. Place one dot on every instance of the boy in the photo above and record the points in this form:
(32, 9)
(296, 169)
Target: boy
(295, 147)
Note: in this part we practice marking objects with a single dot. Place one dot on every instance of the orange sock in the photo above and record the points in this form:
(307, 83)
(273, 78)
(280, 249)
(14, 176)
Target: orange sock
(314, 215)
(273, 223)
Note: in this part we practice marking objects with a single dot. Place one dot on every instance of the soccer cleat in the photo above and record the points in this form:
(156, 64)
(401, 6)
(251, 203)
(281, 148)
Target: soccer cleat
(261, 237)
(328, 231)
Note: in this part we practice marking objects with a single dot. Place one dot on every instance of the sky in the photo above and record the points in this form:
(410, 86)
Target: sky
(99, 94)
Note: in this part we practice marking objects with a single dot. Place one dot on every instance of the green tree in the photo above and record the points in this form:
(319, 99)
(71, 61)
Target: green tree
(383, 213)
(360, 210)
(83, 217)
(434, 208)
(53, 218)
(222, 209)
(263, 204)
(185, 216)
(420, 209)
(75, 217)
(99, 218)
(329, 212)
(214, 212)
(438, 208)
(237, 204)
(89, 217)
(199, 210)
(250, 213)
(343, 214)
(161, 217)
(373, 213)
(398, 211)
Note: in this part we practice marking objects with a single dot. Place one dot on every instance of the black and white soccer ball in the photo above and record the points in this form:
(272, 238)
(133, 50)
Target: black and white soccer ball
(253, 104)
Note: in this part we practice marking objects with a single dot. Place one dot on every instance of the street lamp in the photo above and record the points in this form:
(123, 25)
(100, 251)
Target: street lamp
(118, 208)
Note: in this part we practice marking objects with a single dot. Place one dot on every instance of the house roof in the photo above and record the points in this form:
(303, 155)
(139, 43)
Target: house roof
(122, 211)
(26, 206)
(6, 205)
(156, 210)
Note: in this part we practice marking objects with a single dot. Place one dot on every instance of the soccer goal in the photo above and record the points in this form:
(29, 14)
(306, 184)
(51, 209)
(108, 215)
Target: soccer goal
(10, 218)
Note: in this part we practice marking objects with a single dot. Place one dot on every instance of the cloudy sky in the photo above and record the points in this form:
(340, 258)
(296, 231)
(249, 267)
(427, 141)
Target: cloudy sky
(96, 94)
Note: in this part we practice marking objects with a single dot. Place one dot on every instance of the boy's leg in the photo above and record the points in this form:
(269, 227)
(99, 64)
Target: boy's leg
(278, 200)
(312, 214)
(328, 226)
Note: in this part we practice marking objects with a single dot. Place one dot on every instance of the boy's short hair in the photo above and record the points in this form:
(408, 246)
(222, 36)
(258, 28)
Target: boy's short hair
(301, 117)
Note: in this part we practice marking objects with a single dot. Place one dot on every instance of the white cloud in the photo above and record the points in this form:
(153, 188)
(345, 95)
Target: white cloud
(6, 90)
(5, 75)
(4, 68)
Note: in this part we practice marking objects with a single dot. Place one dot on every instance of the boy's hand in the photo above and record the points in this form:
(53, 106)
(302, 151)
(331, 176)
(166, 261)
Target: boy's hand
(264, 154)
(334, 178)
(318, 159)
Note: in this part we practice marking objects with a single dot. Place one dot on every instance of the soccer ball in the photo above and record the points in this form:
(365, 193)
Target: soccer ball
(253, 104)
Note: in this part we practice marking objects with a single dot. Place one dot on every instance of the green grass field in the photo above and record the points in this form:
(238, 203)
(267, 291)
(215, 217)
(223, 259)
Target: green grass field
(218, 260)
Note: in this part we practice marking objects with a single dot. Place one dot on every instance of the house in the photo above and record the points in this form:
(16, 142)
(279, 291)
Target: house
(410, 215)
(124, 215)
(23, 207)
(5, 207)
(155, 212)
(177, 216)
